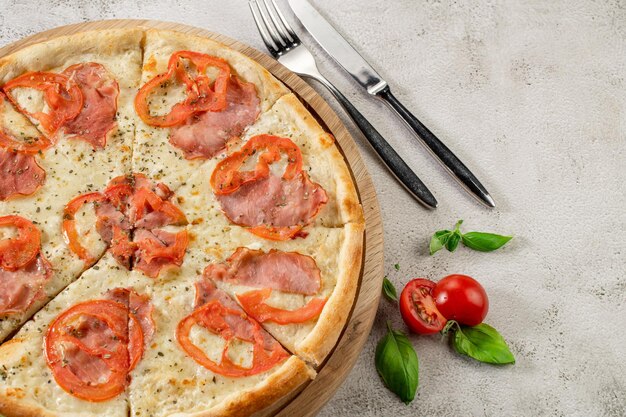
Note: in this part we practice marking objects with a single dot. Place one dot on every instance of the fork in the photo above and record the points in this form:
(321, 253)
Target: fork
(285, 46)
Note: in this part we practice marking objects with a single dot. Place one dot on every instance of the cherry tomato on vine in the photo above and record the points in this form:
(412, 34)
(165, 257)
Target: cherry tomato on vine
(418, 308)
(461, 298)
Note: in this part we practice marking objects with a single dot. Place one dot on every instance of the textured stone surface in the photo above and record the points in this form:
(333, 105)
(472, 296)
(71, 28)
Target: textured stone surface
(532, 96)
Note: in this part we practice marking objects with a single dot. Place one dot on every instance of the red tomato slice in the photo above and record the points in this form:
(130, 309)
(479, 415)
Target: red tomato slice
(29, 147)
(61, 94)
(227, 178)
(145, 201)
(212, 316)
(253, 302)
(69, 224)
(68, 346)
(461, 298)
(201, 96)
(418, 308)
(18, 251)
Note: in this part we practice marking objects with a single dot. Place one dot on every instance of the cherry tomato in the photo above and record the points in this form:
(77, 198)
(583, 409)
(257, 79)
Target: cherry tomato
(418, 308)
(461, 298)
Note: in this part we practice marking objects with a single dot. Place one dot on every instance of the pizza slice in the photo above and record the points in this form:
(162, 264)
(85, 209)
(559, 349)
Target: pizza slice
(66, 129)
(321, 158)
(74, 357)
(286, 177)
(197, 98)
(208, 356)
(301, 291)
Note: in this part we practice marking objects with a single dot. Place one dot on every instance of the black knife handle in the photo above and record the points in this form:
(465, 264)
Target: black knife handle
(387, 154)
(441, 151)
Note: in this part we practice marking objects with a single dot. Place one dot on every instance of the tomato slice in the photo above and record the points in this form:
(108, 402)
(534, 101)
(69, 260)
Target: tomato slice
(70, 341)
(227, 178)
(61, 94)
(31, 146)
(203, 94)
(145, 201)
(253, 302)
(18, 251)
(217, 319)
(69, 224)
(92, 346)
(418, 308)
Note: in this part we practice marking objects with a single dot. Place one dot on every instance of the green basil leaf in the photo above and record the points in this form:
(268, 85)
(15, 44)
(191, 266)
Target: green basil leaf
(438, 241)
(484, 242)
(482, 343)
(389, 290)
(396, 363)
(453, 241)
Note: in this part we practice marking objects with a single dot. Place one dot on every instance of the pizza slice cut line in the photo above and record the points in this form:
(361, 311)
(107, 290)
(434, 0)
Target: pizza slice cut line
(132, 213)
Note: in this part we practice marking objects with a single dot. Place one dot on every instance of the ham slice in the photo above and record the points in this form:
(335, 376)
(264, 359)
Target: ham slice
(98, 115)
(206, 134)
(274, 201)
(19, 174)
(21, 288)
(284, 271)
(241, 326)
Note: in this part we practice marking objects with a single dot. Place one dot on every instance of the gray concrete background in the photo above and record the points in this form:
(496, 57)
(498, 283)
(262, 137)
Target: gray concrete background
(532, 96)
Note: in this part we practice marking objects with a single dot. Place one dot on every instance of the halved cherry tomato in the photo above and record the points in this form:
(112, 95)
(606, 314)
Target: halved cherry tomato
(461, 298)
(418, 308)
(253, 302)
(61, 94)
(18, 251)
(221, 320)
(201, 96)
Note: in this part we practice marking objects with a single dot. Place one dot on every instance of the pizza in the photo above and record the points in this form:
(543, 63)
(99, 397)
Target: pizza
(178, 234)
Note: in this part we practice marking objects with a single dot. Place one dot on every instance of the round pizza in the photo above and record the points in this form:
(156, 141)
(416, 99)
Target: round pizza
(178, 234)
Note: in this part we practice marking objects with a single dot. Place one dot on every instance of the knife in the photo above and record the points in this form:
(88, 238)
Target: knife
(346, 56)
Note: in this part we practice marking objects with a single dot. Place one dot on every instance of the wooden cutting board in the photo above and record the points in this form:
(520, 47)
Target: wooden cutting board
(310, 399)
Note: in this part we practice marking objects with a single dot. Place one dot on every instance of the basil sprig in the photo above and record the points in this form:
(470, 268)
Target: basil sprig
(389, 290)
(481, 342)
(480, 241)
(397, 364)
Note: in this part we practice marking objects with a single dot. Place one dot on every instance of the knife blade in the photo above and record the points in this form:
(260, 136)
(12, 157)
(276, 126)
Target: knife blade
(348, 58)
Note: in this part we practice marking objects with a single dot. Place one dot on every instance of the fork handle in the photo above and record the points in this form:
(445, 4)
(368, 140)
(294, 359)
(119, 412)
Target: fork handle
(387, 154)
(448, 159)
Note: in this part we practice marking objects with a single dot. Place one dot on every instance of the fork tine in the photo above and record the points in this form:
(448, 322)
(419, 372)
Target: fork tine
(277, 22)
(269, 43)
(290, 31)
(269, 24)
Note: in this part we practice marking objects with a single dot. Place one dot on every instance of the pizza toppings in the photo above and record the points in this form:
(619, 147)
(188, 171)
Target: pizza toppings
(99, 91)
(215, 110)
(283, 271)
(92, 346)
(23, 269)
(288, 272)
(221, 316)
(62, 96)
(272, 206)
(22, 287)
(206, 134)
(19, 174)
(15, 137)
(131, 212)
